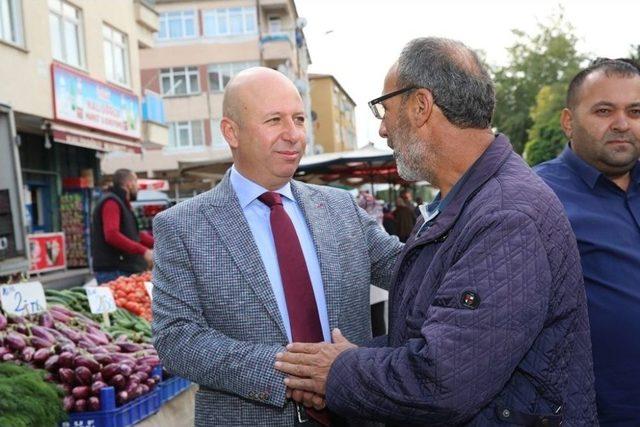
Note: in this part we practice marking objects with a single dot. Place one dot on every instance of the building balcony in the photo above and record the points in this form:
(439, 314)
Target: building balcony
(155, 133)
(275, 5)
(277, 47)
(148, 22)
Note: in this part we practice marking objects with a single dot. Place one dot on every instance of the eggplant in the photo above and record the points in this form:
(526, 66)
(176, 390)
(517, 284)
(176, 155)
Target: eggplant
(110, 370)
(3, 322)
(88, 362)
(132, 389)
(118, 382)
(65, 359)
(27, 353)
(80, 405)
(83, 375)
(51, 364)
(60, 309)
(58, 316)
(122, 397)
(15, 341)
(8, 357)
(123, 358)
(66, 388)
(151, 383)
(68, 403)
(94, 404)
(87, 344)
(46, 320)
(38, 342)
(96, 387)
(103, 358)
(129, 347)
(51, 377)
(141, 367)
(16, 320)
(97, 336)
(4, 350)
(72, 334)
(96, 377)
(110, 348)
(81, 392)
(125, 369)
(67, 376)
(152, 361)
(42, 332)
(41, 355)
(144, 389)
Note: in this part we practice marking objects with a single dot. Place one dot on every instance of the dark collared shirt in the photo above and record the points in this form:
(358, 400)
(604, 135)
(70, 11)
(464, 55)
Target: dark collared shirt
(606, 221)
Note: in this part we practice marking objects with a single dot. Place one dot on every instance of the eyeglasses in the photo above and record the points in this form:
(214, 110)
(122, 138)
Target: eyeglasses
(376, 105)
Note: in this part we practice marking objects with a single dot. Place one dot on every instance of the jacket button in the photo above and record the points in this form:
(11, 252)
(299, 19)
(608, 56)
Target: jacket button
(263, 396)
(252, 395)
(506, 413)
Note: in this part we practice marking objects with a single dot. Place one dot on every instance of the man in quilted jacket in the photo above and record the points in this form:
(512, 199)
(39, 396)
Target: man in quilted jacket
(487, 320)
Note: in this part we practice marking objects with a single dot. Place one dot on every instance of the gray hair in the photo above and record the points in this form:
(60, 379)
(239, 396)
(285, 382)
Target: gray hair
(455, 75)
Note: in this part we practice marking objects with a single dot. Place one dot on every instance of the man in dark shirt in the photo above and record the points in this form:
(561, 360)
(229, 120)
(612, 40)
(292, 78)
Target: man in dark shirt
(597, 178)
(117, 246)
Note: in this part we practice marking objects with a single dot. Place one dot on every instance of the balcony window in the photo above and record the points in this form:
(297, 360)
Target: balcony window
(186, 134)
(179, 81)
(229, 21)
(220, 74)
(177, 25)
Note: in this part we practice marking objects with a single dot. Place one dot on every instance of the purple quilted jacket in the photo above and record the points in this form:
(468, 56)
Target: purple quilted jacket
(488, 321)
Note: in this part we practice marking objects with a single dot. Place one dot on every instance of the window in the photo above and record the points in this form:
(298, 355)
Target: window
(11, 21)
(220, 74)
(66, 33)
(179, 81)
(177, 25)
(186, 134)
(275, 24)
(216, 133)
(116, 57)
(229, 22)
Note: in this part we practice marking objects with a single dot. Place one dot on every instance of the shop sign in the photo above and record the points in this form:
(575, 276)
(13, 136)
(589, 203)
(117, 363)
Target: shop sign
(47, 252)
(87, 102)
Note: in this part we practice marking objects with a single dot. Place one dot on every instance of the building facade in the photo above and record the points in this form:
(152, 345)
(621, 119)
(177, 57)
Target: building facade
(334, 124)
(199, 47)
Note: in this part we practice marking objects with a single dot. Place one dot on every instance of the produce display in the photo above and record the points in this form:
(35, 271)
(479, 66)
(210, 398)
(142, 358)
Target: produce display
(75, 229)
(131, 294)
(78, 356)
(26, 399)
(122, 322)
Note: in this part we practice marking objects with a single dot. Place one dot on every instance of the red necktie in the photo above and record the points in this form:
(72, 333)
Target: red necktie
(298, 291)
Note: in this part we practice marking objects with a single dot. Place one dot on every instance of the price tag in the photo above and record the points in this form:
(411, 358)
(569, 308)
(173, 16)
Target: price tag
(23, 298)
(149, 287)
(100, 299)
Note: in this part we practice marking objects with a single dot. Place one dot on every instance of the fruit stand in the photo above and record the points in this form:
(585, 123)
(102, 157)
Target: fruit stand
(89, 350)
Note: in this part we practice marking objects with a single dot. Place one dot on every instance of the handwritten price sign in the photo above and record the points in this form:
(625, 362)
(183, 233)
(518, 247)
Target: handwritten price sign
(100, 299)
(23, 298)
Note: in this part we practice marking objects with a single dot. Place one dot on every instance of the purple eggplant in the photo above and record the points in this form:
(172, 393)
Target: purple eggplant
(46, 320)
(60, 309)
(122, 397)
(3, 322)
(38, 342)
(88, 362)
(51, 364)
(81, 392)
(144, 389)
(152, 361)
(68, 403)
(132, 389)
(96, 377)
(65, 359)
(16, 320)
(4, 350)
(103, 358)
(151, 383)
(66, 388)
(51, 377)
(110, 370)
(141, 367)
(83, 375)
(94, 404)
(125, 369)
(58, 316)
(8, 357)
(110, 348)
(123, 358)
(42, 332)
(96, 387)
(15, 341)
(67, 376)
(70, 333)
(129, 347)
(118, 382)
(80, 405)
(41, 356)
(27, 353)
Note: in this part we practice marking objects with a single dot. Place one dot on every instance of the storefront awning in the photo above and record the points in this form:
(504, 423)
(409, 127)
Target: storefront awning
(94, 140)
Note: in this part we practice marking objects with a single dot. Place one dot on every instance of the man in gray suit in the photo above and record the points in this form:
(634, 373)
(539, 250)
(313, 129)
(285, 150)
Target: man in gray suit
(230, 292)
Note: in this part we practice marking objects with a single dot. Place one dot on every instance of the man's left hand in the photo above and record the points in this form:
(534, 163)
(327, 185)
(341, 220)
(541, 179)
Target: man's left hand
(308, 364)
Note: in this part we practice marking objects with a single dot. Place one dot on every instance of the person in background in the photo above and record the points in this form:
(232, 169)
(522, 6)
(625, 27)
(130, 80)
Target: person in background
(403, 219)
(597, 179)
(117, 246)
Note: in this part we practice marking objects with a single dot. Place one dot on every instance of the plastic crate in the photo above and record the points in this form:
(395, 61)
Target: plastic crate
(172, 387)
(112, 416)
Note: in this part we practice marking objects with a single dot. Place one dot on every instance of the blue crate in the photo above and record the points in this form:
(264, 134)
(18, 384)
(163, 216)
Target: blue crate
(112, 416)
(172, 387)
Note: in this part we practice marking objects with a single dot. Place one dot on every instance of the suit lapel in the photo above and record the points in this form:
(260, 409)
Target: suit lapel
(316, 212)
(225, 216)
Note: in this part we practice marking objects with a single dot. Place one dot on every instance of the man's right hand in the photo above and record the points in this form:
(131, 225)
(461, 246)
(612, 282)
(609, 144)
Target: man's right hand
(148, 256)
(308, 399)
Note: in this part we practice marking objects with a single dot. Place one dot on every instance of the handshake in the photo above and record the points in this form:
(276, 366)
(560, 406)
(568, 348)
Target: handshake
(307, 366)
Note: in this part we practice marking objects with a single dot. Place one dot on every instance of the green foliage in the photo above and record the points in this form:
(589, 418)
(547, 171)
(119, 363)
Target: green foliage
(26, 399)
(546, 138)
(546, 58)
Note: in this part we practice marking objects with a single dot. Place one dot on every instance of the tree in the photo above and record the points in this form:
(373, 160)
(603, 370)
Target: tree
(546, 138)
(546, 58)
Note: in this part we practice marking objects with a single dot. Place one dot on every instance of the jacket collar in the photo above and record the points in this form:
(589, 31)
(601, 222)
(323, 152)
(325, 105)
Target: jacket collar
(476, 176)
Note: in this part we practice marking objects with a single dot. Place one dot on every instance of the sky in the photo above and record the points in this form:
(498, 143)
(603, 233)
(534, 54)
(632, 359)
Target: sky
(358, 40)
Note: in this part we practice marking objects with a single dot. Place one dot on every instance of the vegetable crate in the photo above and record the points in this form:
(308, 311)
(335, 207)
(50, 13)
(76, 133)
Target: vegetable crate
(172, 387)
(112, 416)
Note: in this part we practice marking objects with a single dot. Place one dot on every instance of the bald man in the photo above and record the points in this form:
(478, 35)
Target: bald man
(261, 261)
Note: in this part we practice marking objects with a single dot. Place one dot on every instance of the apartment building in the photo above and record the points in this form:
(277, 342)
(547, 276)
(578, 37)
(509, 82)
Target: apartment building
(70, 73)
(334, 126)
(199, 47)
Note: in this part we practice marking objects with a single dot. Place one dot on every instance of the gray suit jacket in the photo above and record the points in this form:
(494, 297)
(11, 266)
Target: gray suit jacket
(216, 321)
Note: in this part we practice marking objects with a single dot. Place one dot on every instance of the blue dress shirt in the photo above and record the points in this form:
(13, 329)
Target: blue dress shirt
(257, 215)
(606, 221)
